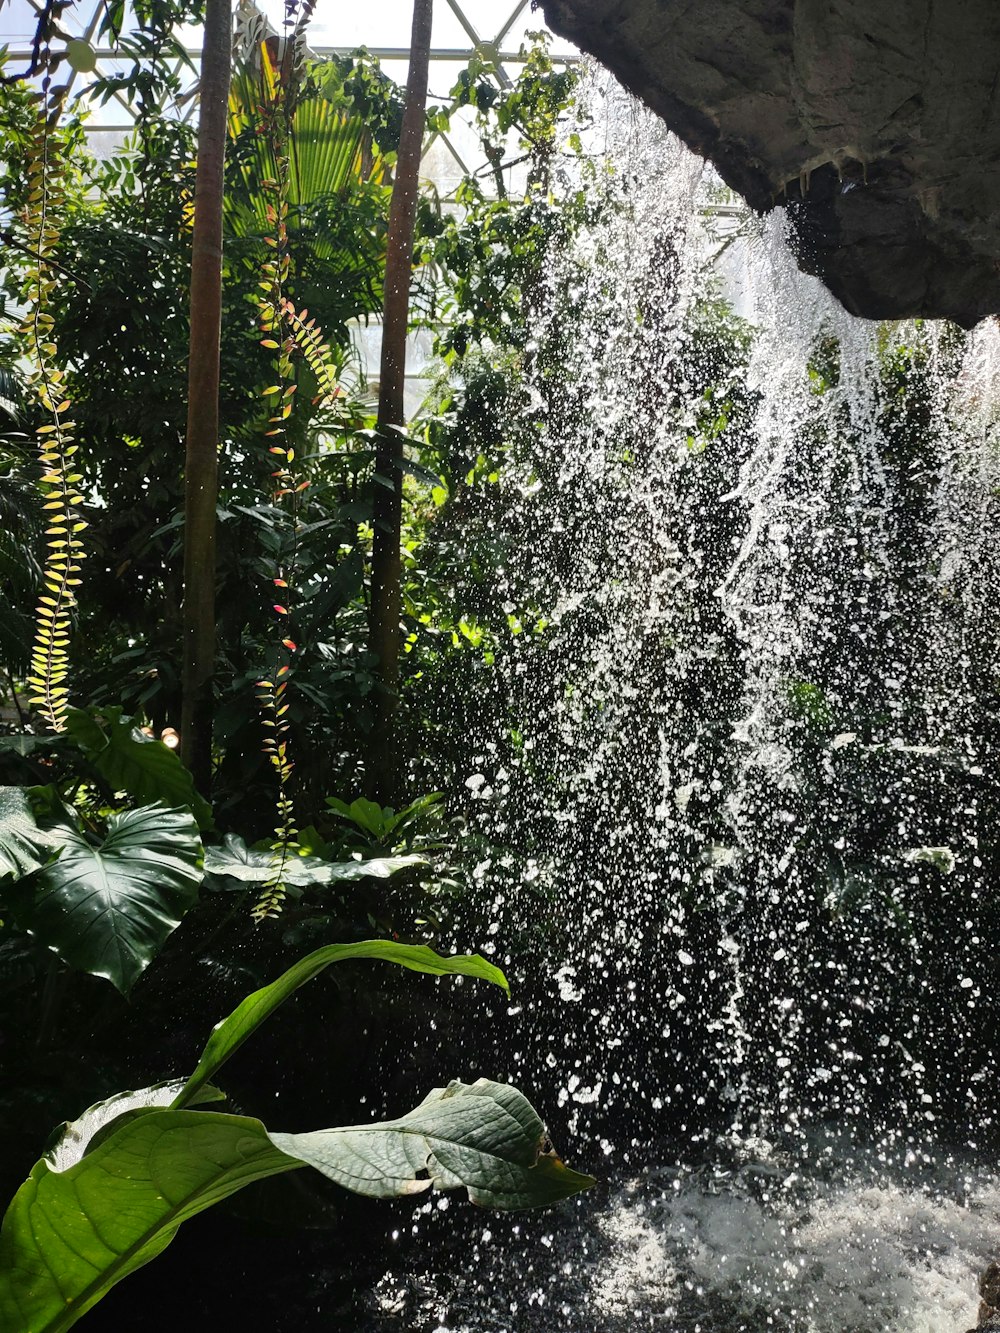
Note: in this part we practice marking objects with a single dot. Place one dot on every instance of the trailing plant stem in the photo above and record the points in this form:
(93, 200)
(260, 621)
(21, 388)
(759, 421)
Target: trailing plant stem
(49, 663)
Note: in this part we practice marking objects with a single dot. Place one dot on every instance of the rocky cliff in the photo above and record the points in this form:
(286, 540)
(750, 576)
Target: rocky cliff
(876, 123)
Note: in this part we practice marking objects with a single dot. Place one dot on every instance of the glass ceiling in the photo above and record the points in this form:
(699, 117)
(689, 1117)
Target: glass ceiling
(496, 29)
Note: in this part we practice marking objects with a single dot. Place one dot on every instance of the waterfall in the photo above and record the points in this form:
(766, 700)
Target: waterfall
(739, 846)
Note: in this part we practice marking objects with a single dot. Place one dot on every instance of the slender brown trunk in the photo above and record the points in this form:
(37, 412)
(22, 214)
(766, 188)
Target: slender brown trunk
(384, 636)
(201, 454)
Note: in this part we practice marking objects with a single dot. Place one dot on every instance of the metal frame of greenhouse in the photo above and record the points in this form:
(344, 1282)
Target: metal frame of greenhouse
(446, 159)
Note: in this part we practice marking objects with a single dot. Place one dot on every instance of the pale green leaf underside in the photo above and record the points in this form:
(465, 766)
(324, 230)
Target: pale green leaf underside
(76, 1136)
(235, 860)
(484, 1136)
(70, 1235)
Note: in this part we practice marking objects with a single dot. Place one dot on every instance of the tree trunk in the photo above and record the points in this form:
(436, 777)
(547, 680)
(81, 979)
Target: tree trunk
(201, 454)
(381, 769)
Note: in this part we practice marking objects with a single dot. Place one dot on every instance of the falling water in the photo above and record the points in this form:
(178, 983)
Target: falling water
(739, 834)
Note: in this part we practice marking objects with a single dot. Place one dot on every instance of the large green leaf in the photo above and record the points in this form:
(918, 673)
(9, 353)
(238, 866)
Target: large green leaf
(235, 860)
(71, 1234)
(230, 1034)
(132, 762)
(108, 909)
(329, 146)
(24, 847)
(484, 1136)
(74, 1138)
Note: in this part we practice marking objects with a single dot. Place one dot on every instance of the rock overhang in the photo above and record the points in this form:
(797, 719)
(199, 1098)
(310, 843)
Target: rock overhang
(876, 123)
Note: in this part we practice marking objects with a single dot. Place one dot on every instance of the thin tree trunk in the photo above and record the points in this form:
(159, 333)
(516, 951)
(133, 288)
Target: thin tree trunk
(201, 454)
(384, 636)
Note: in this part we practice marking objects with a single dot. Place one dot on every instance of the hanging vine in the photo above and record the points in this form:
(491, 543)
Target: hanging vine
(46, 199)
(290, 335)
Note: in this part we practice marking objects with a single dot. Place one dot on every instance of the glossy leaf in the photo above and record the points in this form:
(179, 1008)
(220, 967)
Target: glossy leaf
(24, 847)
(235, 860)
(382, 822)
(230, 1034)
(132, 762)
(108, 909)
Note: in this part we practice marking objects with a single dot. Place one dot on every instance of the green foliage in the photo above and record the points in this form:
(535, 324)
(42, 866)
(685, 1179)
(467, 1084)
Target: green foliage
(229, 1035)
(808, 703)
(62, 498)
(333, 184)
(107, 907)
(70, 1235)
(130, 762)
(383, 825)
(121, 1180)
(20, 527)
(24, 847)
(484, 1136)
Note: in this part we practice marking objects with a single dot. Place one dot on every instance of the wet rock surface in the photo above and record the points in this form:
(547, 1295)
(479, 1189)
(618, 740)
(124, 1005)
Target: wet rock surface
(989, 1291)
(877, 126)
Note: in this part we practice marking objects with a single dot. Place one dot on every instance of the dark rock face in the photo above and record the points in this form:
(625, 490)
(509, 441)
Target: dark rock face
(875, 122)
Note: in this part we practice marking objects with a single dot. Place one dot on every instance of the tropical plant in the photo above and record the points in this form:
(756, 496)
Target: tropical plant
(333, 167)
(113, 1190)
(201, 455)
(20, 527)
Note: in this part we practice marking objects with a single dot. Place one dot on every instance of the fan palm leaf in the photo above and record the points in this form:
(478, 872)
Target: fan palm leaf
(330, 148)
(337, 189)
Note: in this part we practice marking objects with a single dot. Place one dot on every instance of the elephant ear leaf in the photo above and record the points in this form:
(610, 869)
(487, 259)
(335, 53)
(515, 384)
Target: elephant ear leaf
(484, 1137)
(24, 847)
(108, 909)
(69, 1235)
(129, 761)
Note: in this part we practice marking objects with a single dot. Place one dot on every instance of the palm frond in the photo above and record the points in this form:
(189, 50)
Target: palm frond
(330, 147)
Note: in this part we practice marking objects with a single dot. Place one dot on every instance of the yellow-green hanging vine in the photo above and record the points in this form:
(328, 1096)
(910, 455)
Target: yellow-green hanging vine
(49, 668)
(289, 334)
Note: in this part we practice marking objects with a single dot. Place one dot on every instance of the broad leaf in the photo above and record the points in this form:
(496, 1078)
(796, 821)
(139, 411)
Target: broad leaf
(132, 762)
(381, 823)
(230, 1034)
(70, 1235)
(75, 1138)
(367, 815)
(235, 860)
(23, 743)
(24, 847)
(109, 909)
(484, 1136)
